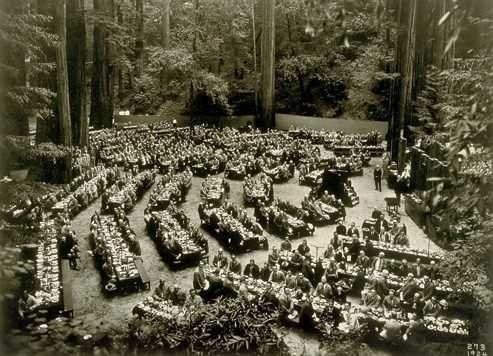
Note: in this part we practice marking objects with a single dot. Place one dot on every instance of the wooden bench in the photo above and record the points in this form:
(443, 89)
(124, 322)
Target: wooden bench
(68, 303)
(146, 281)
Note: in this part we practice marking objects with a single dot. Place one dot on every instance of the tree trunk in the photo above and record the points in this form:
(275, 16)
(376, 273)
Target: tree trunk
(165, 36)
(407, 82)
(119, 69)
(62, 76)
(196, 24)
(267, 119)
(102, 78)
(165, 24)
(254, 44)
(139, 43)
(76, 57)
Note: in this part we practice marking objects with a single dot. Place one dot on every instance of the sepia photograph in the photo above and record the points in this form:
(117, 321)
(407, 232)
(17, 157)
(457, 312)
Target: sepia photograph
(246, 177)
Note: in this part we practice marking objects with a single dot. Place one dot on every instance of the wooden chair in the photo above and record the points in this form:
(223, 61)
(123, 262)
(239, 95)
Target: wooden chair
(392, 204)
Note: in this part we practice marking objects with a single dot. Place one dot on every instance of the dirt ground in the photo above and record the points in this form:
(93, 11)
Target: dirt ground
(90, 303)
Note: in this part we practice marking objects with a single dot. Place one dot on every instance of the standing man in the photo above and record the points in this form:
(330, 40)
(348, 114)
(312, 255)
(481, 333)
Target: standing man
(377, 175)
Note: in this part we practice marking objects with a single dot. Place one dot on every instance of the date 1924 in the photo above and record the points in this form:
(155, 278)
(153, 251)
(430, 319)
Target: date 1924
(476, 350)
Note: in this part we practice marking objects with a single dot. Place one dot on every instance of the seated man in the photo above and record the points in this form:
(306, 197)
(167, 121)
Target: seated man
(405, 269)
(220, 260)
(161, 291)
(273, 258)
(371, 299)
(296, 261)
(252, 269)
(363, 261)
(303, 248)
(199, 278)
(234, 265)
(177, 296)
(341, 229)
(303, 283)
(286, 245)
(277, 276)
(353, 230)
(391, 302)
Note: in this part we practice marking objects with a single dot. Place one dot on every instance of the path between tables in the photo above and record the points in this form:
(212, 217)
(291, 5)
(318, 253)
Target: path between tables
(91, 305)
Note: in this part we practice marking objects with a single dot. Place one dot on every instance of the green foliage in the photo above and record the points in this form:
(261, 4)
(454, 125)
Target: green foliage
(463, 116)
(23, 42)
(228, 326)
(218, 39)
(210, 95)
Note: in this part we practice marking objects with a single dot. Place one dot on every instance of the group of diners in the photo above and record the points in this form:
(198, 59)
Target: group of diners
(232, 226)
(128, 188)
(179, 243)
(323, 210)
(283, 219)
(205, 151)
(170, 188)
(214, 190)
(117, 251)
(258, 188)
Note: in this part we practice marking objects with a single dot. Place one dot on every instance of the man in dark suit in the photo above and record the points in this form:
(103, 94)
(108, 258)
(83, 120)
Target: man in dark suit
(220, 260)
(363, 260)
(199, 278)
(377, 176)
(353, 230)
(428, 287)
(340, 228)
(404, 268)
(252, 269)
(418, 269)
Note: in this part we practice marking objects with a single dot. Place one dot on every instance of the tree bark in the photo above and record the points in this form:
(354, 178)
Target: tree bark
(267, 119)
(76, 57)
(102, 92)
(139, 43)
(165, 24)
(407, 73)
(63, 100)
(165, 36)
(119, 69)
(254, 45)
